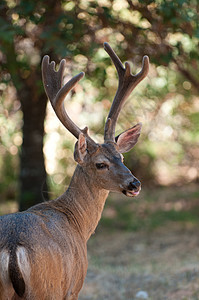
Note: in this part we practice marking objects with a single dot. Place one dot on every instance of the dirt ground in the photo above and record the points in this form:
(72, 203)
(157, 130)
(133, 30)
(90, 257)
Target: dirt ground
(150, 244)
(163, 263)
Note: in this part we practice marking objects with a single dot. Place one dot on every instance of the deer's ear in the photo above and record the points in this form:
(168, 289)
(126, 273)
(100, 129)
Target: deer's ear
(80, 149)
(128, 138)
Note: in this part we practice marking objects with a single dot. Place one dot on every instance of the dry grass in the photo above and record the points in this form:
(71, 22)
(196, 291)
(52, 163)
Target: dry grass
(164, 263)
(162, 259)
(8, 207)
(150, 244)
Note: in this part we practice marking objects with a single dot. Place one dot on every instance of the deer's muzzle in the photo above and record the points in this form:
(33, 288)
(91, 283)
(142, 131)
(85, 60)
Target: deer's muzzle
(133, 188)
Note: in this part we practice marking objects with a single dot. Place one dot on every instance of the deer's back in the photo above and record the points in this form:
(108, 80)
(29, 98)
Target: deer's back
(49, 254)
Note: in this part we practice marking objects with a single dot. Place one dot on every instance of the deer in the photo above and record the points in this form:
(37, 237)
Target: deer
(43, 250)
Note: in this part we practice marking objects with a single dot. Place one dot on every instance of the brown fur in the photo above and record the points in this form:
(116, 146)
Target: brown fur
(43, 251)
(55, 233)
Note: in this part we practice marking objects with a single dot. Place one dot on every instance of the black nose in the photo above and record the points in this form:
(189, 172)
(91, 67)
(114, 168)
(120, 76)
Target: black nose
(134, 185)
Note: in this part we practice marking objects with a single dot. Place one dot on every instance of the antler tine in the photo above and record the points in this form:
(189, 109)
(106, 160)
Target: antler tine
(52, 81)
(127, 83)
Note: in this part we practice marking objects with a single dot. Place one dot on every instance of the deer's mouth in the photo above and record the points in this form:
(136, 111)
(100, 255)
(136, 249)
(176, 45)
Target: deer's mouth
(132, 193)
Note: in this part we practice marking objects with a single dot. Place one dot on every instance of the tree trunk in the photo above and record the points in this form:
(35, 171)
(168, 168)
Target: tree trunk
(33, 185)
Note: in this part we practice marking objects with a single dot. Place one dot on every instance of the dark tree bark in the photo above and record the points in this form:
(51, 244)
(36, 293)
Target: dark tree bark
(32, 174)
(32, 178)
(33, 185)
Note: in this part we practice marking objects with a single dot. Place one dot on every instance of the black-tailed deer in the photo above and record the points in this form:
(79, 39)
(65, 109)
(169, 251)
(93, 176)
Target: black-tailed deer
(43, 250)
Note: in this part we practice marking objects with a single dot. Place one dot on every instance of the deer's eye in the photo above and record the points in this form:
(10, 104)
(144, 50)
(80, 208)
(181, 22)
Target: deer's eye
(101, 166)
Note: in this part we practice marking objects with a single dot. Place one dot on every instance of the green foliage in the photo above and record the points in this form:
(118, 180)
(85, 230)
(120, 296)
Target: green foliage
(167, 102)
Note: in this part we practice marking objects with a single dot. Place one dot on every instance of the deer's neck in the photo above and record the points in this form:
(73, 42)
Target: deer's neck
(84, 200)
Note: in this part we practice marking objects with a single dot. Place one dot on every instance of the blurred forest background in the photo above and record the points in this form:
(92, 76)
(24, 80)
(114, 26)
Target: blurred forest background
(166, 159)
(153, 243)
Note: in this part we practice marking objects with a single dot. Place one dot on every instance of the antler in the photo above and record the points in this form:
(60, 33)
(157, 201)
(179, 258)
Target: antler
(52, 81)
(127, 83)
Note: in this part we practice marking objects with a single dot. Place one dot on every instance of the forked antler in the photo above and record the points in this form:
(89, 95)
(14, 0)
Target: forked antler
(127, 82)
(56, 93)
(52, 81)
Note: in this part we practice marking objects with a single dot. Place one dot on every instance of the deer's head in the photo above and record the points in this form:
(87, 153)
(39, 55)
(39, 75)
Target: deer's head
(103, 163)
